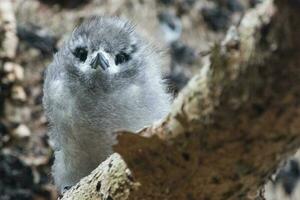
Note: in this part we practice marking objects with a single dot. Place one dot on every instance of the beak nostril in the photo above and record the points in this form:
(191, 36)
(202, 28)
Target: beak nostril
(99, 60)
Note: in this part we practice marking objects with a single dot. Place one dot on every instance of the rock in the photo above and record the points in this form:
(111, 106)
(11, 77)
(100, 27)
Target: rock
(182, 54)
(167, 2)
(9, 78)
(36, 160)
(38, 37)
(66, 3)
(253, 3)
(176, 81)
(22, 131)
(185, 6)
(9, 40)
(14, 71)
(16, 180)
(4, 137)
(234, 6)
(170, 25)
(4, 93)
(8, 67)
(18, 94)
(16, 113)
(216, 18)
(19, 72)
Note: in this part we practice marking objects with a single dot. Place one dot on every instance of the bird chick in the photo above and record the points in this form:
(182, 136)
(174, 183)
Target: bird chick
(106, 77)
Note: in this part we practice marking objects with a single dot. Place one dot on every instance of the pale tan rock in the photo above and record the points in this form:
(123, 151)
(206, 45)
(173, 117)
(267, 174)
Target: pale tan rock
(19, 72)
(9, 78)
(15, 72)
(16, 113)
(18, 93)
(8, 30)
(22, 131)
(8, 67)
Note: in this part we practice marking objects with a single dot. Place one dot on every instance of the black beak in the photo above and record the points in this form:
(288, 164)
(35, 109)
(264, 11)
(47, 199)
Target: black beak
(100, 60)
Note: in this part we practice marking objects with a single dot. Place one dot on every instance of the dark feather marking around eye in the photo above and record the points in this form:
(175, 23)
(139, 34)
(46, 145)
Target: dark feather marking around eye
(121, 58)
(81, 53)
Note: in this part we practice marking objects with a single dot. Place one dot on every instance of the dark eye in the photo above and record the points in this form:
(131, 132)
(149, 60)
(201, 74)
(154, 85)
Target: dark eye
(121, 58)
(81, 53)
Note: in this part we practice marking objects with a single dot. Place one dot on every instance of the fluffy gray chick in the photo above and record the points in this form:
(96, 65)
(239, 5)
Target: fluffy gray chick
(106, 77)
